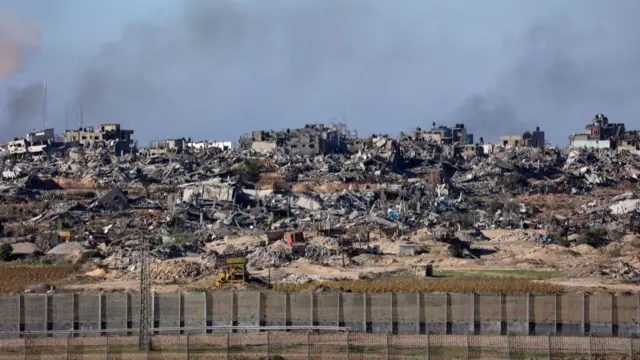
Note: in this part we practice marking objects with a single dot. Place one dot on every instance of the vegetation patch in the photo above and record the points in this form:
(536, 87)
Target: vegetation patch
(507, 285)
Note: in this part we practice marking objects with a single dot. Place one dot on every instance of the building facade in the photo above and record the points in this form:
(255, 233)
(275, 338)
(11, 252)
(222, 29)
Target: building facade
(445, 135)
(110, 136)
(532, 139)
(600, 134)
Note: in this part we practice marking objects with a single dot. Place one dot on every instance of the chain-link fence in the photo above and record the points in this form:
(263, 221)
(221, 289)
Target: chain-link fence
(283, 345)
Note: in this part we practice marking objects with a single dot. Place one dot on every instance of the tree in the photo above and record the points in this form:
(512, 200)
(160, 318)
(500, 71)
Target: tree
(5, 251)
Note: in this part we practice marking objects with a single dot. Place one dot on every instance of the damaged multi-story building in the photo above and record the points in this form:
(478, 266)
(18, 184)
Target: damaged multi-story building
(111, 136)
(311, 140)
(531, 139)
(445, 135)
(200, 145)
(161, 147)
(599, 134)
(33, 142)
(448, 141)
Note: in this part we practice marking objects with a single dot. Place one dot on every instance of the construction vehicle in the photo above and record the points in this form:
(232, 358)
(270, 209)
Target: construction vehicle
(233, 271)
(457, 247)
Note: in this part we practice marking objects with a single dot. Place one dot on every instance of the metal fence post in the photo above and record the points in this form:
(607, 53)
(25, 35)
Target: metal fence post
(549, 347)
(268, 345)
(188, 344)
(308, 345)
(584, 316)
(227, 347)
(68, 345)
(590, 351)
(428, 345)
(106, 352)
(148, 346)
(388, 354)
(348, 346)
(508, 346)
(467, 338)
(25, 348)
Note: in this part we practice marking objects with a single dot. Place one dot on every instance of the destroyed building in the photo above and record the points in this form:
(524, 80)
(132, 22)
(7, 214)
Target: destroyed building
(532, 139)
(110, 136)
(311, 140)
(315, 139)
(445, 135)
(200, 145)
(599, 134)
(160, 147)
(33, 142)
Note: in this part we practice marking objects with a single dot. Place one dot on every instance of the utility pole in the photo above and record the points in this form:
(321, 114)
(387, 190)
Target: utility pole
(66, 116)
(44, 104)
(145, 295)
(81, 116)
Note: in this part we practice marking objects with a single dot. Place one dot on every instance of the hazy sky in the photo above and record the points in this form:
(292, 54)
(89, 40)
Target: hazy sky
(214, 69)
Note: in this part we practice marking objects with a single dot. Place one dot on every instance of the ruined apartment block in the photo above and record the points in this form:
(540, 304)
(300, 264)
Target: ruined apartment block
(532, 139)
(201, 145)
(33, 142)
(315, 139)
(445, 135)
(600, 134)
(311, 140)
(161, 147)
(117, 140)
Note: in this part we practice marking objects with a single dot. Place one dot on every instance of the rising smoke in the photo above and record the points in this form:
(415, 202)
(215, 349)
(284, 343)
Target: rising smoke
(24, 108)
(23, 103)
(224, 67)
(16, 37)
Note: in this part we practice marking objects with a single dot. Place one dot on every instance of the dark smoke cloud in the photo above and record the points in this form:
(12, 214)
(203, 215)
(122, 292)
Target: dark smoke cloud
(24, 109)
(225, 67)
(560, 78)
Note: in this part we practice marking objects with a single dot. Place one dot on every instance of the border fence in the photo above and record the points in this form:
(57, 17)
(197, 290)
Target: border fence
(227, 311)
(278, 345)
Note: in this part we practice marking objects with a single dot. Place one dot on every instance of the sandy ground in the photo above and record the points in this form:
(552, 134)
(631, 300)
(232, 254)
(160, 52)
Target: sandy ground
(506, 250)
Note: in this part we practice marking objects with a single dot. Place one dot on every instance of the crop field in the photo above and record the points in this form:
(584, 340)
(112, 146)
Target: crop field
(16, 278)
(444, 284)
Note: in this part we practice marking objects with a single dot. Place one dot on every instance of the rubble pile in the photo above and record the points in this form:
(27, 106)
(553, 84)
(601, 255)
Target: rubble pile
(266, 258)
(198, 202)
(176, 270)
(318, 253)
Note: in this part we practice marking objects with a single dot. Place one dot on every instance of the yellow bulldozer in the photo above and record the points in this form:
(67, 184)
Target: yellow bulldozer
(234, 271)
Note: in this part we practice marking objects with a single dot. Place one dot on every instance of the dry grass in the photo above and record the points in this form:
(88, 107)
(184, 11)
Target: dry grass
(435, 285)
(16, 278)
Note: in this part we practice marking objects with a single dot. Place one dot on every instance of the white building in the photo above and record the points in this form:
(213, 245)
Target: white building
(200, 145)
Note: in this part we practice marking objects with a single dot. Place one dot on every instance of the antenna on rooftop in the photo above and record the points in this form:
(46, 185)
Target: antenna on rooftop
(66, 116)
(81, 116)
(44, 104)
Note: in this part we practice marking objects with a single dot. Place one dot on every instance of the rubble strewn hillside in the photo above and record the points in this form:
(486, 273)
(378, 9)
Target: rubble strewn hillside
(383, 205)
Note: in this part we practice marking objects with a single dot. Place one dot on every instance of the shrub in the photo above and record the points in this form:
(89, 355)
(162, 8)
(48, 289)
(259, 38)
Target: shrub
(249, 171)
(595, 236)
(5, 251)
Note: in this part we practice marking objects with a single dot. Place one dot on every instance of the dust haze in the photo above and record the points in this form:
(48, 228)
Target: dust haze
(221, 68)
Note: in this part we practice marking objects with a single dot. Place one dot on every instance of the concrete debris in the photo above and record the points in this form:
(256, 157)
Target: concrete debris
(265, 258)
(176, 270)
(217, 202)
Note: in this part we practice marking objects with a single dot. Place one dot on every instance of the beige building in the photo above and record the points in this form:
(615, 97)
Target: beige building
(111, 136)
(534, 139)
(167, 146)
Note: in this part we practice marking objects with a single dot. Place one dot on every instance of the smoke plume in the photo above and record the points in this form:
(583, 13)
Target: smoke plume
(24, 108)
(216, 69)
(16, 36)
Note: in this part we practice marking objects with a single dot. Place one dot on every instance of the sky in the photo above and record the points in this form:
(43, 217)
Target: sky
(216, 69)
